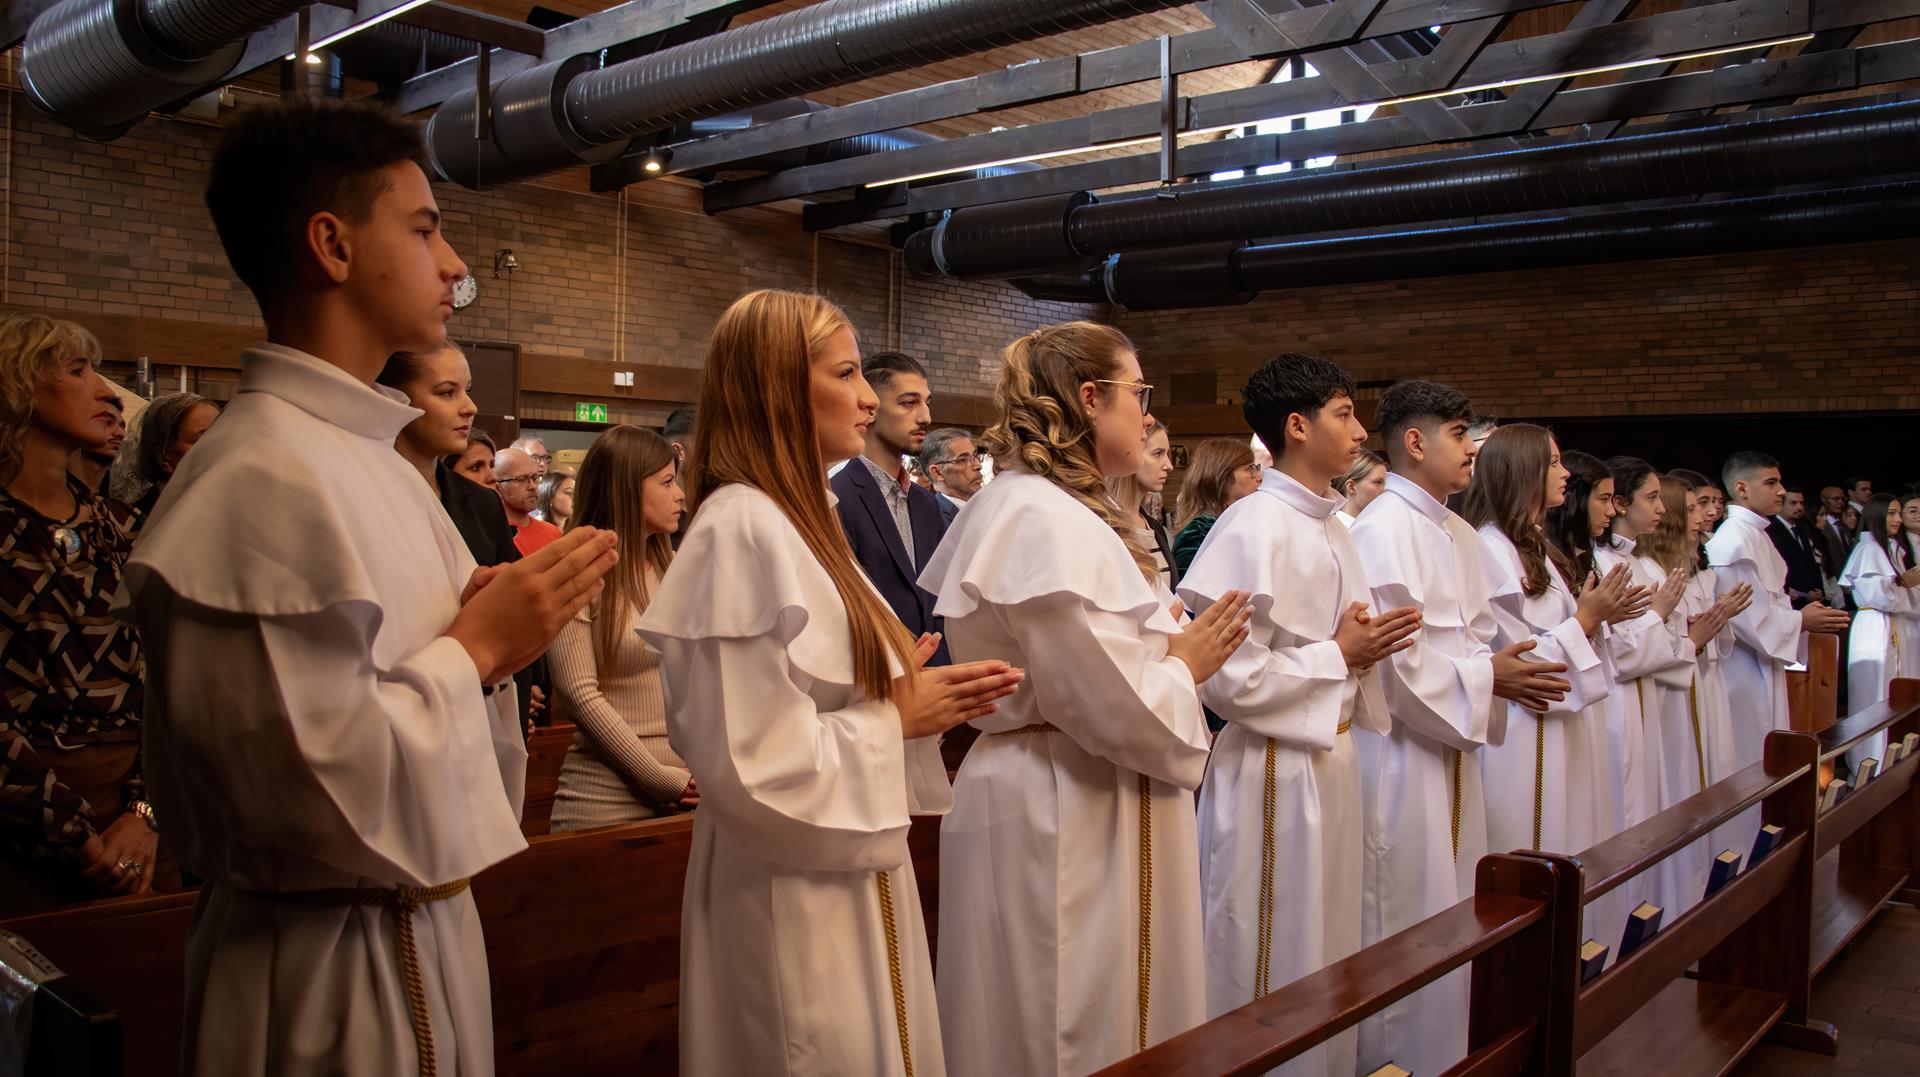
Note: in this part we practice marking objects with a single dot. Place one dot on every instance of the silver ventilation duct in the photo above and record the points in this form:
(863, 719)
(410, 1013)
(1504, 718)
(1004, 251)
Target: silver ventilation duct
(99, 66)
(828, 44)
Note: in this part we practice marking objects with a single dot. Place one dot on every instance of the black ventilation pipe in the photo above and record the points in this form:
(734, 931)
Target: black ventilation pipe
(99, 66)
(1213, 276)
(1843, 145)
(573, 110)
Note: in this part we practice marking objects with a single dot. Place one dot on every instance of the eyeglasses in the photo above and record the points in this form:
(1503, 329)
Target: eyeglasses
(1140, 388)
(966, 461)
(518, 478)
(541, 458)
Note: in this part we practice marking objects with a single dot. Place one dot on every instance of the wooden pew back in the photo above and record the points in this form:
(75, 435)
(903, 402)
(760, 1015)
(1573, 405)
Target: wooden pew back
(546, 752)
(1813, 694)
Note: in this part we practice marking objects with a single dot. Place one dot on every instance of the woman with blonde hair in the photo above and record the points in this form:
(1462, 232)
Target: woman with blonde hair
(1069, 867)
(794, 696)
(76, 820)
(1138, 495)
(1364, 481)
(621, 768)
(1222, 472)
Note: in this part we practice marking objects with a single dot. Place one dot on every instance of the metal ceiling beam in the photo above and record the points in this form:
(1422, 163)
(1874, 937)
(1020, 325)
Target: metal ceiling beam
(1517, 112)
(478, 27)
(590, 33)
(1732, 22)
(1795, 76)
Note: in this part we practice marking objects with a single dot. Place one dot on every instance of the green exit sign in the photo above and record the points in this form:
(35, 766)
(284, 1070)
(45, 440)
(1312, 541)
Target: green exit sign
(584, 412)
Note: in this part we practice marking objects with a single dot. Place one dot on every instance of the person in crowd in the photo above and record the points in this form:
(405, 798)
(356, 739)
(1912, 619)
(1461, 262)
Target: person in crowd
(553, 499)
(75, 822)
(793, 696)
(536, 449)
(1363, 482)
(1131, 493)
(1548, 783)
(1768, 634)
(475, 462)
(1909, 544)
(1447, 694)
(1836, 539)
(1859, 492)
(357, 763)
(679, 431)
(516, 479)
(1884, 639)
(892, 523)
(93, 466)
(439, 383)
(161, 436)
(1070, 927)
(1222, 472)
(1850, 518)
(1799, 548)
(1281, 843)
(621, 768)
(1478, 431)
(949, 459)
(1716, 499)
(1695, 716)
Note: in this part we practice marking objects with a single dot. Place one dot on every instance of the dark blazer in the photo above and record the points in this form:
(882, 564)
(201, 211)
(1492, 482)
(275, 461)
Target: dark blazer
(1805, 580)
(1838, 540)
(876, 545)
(949, 508)
(479, 516)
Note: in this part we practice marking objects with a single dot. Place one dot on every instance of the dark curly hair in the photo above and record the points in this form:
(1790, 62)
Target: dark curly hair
(280, 164)
(1285, 385)
(1412, 402)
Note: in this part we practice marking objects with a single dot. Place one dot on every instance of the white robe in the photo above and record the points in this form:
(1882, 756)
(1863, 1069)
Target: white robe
(309, 726)
(1281, 843)
(1041, 873)
(1696, 731)
(1884, 640)
(806, 793)
(1767, 635)
(1426, 817)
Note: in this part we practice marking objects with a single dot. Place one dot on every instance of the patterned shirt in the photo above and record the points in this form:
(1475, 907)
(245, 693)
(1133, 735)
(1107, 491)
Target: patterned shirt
(72, 674)
(894, 490)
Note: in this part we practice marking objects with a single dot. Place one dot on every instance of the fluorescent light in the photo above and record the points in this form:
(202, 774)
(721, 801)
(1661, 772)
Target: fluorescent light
(397, 9)
(1450, 92)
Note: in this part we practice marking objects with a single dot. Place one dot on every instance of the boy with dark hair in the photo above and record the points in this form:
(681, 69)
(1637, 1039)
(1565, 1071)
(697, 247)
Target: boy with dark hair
(1283, 789)
(1769, 635)
(332, 737)
(1426, 823)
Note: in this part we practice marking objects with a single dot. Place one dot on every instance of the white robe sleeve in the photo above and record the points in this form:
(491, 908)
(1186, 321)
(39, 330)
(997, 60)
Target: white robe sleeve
(395, 775)
(1444, 697)
(1293, 694)
(1588, 673)
(1769, 625)
(810, 789)
(1110, 687)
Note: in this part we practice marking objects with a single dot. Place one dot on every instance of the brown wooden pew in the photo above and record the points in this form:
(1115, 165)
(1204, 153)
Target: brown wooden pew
(546, 752)
(1813, 694)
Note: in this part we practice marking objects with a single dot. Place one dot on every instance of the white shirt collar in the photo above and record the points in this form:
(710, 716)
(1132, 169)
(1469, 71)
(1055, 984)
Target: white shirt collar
(1412, 494)
(1289, 490)
(1740, 514)
(325, 391)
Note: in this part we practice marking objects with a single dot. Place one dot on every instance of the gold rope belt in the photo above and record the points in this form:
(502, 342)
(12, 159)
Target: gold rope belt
(893, 967)
(401, 903)
(1037, 727)
(1640, 698)
(1262, 961)
(1893, 639)
(1146, 902)
(1456, 806)
(1699, 746)
(1539, 776)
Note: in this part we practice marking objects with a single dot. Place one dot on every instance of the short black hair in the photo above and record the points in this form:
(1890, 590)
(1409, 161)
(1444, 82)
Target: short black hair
(1745, 463)
(1795, 488)
(1287, 384)
(279, 164)
(1853, 482)
(1412, 402)
(881, 368)
(679, 423)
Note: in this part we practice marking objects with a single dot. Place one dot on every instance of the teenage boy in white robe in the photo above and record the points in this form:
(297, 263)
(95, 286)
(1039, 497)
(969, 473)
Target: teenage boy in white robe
(331, 731)
(1280, 830)
(1426, 821)
(1769, 635)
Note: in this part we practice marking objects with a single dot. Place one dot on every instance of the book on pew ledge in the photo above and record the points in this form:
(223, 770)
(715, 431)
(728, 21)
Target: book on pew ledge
(1836, 789)
(1865, 772)
(1725, 867)
(1766, 841)
(1593, 958)
(1908, 743)
(1642, 924)
(1390, 1070)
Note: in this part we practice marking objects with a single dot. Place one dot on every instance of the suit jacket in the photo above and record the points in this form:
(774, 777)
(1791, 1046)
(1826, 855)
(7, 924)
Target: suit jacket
(1838, 541)
(876, 545)
(949, 508)
(1806, 582)
(478, 515)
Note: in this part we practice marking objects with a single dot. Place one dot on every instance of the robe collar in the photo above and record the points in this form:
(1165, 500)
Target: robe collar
(1746, 517)
(325, 391)
(1623, 545)
(1289, 490)
(1422, 501)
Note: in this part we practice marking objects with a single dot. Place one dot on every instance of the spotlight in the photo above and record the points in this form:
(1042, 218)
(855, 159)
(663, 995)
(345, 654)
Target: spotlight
(655, 159)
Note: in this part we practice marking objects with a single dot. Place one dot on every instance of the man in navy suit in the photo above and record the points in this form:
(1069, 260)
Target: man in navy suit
(893, 524)
(1800, 548)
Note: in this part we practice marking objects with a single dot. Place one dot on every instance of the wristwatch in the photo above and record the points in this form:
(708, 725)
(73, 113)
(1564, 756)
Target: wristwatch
(145, 811)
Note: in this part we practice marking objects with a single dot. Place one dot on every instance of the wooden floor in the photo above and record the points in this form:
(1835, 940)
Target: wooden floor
(1871, 992)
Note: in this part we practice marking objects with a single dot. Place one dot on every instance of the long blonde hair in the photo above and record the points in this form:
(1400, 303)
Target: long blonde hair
(1667, 543)
(756, 428)
(1209, 479)
(30, 345)
(1042, 426)
(610, 494)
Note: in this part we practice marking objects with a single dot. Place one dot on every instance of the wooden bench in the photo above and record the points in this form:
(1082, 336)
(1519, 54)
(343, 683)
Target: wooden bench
(546, 753)
(1813, 693)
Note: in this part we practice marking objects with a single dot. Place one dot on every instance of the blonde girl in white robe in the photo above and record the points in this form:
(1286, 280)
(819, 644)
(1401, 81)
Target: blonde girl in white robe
(1069, 871)
(1886, 628)
(791, 695)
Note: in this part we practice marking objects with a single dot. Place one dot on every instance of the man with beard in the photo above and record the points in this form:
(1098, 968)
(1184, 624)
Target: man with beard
(892, 523)
(90, 466)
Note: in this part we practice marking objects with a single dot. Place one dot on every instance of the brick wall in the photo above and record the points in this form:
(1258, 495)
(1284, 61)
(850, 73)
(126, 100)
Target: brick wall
(120, 228)
(1823, 329)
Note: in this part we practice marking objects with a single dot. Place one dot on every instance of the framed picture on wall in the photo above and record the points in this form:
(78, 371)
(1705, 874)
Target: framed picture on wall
(1179, 454)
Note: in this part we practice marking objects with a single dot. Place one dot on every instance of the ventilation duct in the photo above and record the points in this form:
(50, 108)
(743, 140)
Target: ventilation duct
(392, 52)
(827, 44)
(99, 66)
(1213, 276)
(1843, 145)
